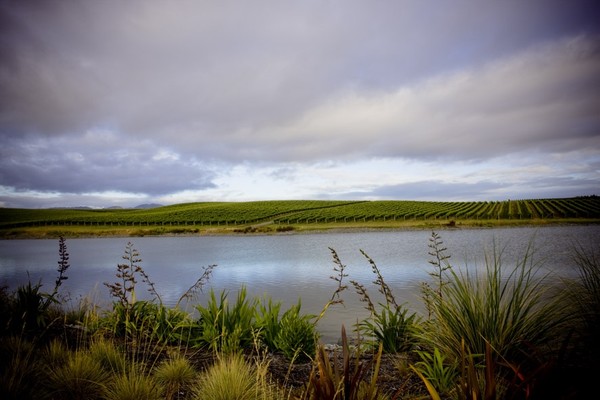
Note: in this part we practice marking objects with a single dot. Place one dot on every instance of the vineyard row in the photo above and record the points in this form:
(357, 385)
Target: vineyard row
(299, 212)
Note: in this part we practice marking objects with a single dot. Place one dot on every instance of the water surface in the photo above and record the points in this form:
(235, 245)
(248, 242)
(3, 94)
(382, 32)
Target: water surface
(289, 267)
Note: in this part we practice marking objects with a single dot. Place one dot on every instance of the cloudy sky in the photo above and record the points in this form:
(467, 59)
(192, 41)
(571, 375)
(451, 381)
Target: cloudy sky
(110, 103)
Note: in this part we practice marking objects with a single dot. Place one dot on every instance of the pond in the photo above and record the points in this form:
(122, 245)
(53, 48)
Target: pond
(289, 267)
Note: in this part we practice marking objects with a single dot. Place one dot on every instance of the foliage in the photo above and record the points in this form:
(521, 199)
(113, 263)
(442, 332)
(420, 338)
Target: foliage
(175, 375)
(508, 313)
(223, 328)
(390, 324)
(186, 218)
(19, 367)
(55, 353)
(393, 327)
(81, 377)
(110, 358)
(124, 288)
(583, 297)
(148, 319)
(267, 322)
(134, 385)
(231, 378)
(329, 381)
(30, 309)
(297, 337)
(435, 368)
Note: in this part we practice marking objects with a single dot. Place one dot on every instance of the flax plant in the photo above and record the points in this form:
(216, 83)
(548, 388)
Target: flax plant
(583, 297)
(505, 309)
(390, 324)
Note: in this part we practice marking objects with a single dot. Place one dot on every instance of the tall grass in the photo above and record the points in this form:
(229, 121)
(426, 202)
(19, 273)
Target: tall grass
(583, 296)
(507, 315)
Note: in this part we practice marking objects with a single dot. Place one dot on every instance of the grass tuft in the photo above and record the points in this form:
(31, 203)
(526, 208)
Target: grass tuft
(230, 378)
(175, 375)
(134, 385)
(82, 377)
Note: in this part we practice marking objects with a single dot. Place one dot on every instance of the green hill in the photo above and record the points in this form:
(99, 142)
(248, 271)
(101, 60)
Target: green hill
(293, 213)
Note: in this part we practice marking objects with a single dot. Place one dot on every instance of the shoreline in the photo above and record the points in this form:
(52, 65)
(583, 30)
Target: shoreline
(68, 232)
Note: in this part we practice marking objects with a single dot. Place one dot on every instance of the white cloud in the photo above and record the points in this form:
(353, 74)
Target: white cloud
(545, 98)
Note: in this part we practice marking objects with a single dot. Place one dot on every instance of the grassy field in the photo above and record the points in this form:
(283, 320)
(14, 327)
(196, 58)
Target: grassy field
(292, 215)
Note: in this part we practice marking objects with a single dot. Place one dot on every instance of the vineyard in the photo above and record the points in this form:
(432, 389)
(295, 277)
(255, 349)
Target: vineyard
(305, 212)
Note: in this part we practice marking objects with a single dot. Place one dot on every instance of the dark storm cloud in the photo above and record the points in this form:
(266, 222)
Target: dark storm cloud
(97, 162)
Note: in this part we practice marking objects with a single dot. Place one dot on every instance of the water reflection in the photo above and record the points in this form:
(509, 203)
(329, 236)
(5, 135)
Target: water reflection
(288, 267)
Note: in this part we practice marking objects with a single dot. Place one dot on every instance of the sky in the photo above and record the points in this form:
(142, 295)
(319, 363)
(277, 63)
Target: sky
(110, 103)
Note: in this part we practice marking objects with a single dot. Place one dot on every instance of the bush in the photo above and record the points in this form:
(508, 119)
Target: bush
(393, 327)
(267, 322)
(226, 329)
(391, 324)
(297, 337)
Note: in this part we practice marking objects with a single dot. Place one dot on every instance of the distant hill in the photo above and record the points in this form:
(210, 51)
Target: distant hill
(149, 205)
(71, 208)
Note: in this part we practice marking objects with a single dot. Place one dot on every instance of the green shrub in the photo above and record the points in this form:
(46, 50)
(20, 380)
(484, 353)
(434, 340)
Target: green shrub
(267, 322)
(297, 336)
(224, 328)
(55, 353)
(583, 298)
(393, 327)
(30, 310)
(171, 325)
(390, 324)
(438, 371)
